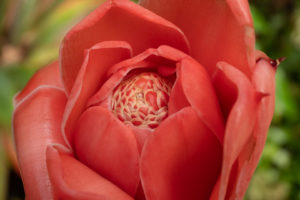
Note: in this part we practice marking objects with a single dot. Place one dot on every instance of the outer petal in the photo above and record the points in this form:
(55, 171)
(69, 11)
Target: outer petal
(240, 120)
(217, 30)
(92, 75)
(48, 75)
(181, 160)
(106, 145)
(37, 124)
(73, 180)
(117, 20)
(264, 82)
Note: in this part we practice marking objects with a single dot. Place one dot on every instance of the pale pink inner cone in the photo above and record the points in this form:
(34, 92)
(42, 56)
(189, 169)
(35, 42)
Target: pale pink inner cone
(142, 100)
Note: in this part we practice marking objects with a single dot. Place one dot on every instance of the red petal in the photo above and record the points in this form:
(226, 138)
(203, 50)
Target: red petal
(109, 147)
(48, 75)
(199, 91)
(264, 82)
(260, 54)
(177, 100)
(240, 121)
(73, 180)
(92, 75)
(117, 20)
(216, 30)
(116, 73)
(181, 160)
(36, 123)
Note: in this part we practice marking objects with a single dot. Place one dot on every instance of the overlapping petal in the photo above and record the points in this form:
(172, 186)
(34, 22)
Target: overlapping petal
(240, 120)
(264, 82)
(109, 147)
(91, 76)
(199, 91)
(120, 20)
(149, 59)
(181, 160)
(73, 180)
(36, 122)
(217, 30)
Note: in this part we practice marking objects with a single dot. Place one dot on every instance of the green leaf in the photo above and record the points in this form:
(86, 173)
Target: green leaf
(3, 171)
(59, 21)
(278, 135)
(260, 23)
(3, 6)
(23, 19)
(12, 79)
(285, 103)
(48, 11)
(6, 95)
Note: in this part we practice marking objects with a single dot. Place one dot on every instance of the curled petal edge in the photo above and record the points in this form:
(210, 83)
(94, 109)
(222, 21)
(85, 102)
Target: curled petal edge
(240, 122)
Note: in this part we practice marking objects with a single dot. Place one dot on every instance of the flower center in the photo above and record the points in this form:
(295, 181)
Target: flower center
(142, 100)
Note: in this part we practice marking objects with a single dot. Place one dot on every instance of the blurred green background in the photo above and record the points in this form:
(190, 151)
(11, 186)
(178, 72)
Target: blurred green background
(30, 33)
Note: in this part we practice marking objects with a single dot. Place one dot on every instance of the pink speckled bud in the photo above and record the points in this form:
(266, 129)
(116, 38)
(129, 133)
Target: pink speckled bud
(142, 100)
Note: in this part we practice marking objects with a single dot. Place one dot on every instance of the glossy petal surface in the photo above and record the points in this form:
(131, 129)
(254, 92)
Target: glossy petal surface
(73, 180)
(92, 75)
(106, 145)
(217, 30)
(240, 120)
(117, 20)
(264, 82)
(37, 124)
(48, 75)
(181, 160)
(116, 73)
(178, 99)
(199, 91)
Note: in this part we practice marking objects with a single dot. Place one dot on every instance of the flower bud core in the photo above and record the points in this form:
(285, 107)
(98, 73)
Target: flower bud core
(142, 100)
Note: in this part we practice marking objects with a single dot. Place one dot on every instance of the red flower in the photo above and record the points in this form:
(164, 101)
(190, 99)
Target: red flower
(172, 105)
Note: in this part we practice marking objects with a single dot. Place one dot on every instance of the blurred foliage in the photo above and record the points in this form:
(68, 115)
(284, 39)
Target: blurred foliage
(277, 25)
(30, 33)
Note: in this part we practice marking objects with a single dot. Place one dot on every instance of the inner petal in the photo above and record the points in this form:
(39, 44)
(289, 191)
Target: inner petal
(142, 99)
